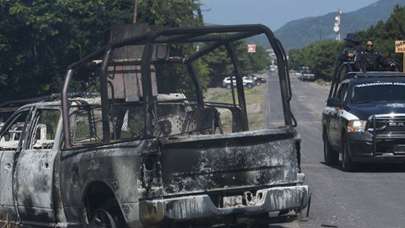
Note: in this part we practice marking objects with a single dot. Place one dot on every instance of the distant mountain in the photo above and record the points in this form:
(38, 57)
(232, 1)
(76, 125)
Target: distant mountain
(299, 33)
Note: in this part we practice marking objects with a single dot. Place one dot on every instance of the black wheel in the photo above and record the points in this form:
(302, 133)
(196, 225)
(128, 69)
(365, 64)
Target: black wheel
(347, 163)
(107, 215)
(249, 86)
(331, 157)
(102, 218)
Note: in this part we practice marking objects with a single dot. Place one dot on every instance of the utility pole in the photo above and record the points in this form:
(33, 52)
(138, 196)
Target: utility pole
(135, 16)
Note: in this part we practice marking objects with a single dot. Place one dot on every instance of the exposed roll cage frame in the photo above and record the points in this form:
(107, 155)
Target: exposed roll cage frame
(219, 36)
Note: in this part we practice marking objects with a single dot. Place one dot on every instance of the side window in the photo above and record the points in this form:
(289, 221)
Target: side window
(127, 122)
(44, 131)
(86, 126)
(342, 93)
(11, 137)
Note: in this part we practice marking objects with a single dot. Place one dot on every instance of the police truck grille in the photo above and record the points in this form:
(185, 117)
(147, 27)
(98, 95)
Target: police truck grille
(387, 124)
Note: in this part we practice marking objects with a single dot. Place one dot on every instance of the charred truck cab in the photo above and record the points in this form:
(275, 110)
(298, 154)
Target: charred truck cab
(365, 119)
(141, 154)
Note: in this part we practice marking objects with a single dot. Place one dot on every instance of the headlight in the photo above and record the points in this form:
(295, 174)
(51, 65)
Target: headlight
(356, 126)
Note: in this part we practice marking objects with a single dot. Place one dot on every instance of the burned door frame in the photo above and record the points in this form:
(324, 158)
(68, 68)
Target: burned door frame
(220, 36)
(8, 168)
(34, 176)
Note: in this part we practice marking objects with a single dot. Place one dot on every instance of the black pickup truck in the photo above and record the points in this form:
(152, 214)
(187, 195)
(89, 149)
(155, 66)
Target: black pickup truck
(365, 119)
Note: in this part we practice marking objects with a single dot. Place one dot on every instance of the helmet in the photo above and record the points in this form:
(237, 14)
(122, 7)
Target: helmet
(351, 37)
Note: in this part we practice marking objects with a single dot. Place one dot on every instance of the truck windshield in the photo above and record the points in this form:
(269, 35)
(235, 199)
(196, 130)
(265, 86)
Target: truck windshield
(378, 92)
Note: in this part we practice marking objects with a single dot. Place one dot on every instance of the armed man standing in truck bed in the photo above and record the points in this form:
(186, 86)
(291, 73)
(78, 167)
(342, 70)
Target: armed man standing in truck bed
(376, 61)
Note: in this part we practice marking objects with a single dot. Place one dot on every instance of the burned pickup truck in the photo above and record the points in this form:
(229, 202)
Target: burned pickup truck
(150, 150)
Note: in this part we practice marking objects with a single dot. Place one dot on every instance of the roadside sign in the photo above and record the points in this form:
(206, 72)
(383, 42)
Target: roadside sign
(251, 48)
(400, 48)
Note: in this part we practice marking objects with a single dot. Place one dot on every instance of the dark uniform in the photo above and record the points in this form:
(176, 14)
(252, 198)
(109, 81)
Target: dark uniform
(352, 52)
(376, 61)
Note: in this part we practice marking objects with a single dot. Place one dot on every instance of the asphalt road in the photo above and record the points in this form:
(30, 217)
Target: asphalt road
(371, 197)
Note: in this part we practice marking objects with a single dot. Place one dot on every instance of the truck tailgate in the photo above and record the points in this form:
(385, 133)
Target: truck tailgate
(235, 161)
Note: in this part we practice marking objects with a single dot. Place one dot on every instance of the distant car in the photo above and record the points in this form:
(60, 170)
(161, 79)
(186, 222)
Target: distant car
(306, 74)
(257, 79)
(260, 80)
(248, 82)
(307, 77)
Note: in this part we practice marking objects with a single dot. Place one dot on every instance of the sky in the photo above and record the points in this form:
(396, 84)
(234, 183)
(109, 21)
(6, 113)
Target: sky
(273, 13)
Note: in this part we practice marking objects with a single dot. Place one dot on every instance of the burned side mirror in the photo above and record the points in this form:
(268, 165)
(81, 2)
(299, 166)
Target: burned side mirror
(334, 102)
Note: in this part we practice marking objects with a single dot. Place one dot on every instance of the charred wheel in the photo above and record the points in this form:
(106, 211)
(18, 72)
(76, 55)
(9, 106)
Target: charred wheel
(106, 215)
(102, 218)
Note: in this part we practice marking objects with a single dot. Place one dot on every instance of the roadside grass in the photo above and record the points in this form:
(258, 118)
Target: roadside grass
(255, 103)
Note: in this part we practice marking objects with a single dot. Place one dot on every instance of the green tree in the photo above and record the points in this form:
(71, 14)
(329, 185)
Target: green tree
(254, 62)
(170, 13)
(175, 13)
(38, 39)
(320, 57)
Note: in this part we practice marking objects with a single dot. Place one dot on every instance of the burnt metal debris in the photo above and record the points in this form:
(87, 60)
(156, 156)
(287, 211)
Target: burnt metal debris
(132, 157)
